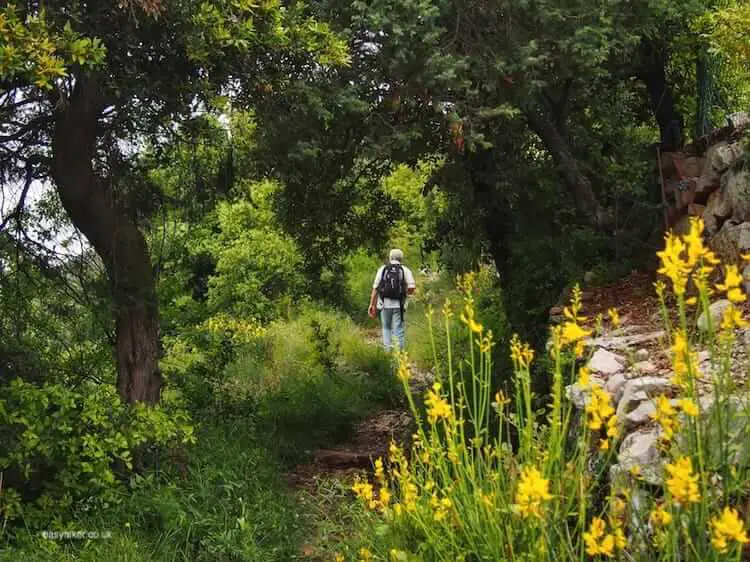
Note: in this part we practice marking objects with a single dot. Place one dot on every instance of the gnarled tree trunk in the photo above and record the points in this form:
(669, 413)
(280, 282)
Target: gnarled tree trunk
(569, 167)
(116, 239)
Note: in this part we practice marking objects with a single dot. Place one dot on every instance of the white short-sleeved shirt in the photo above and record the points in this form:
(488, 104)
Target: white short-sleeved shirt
(410, 284)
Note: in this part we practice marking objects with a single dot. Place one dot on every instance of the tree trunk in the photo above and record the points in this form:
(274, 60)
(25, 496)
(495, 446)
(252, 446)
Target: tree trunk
(116, 239)
(569, 167)
(653, 74)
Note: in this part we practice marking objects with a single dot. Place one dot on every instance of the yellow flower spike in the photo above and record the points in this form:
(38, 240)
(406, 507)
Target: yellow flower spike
(689, 407)
(614, 317)
(364, 491)
(403, 373)
(339, 558)
(604, 444)
(673, 265)
(572, 333)
(597, 541)
(379, 471)
(501, 400)
(599, 408)
(731, 285)
(521, 353)
(683, 484)
(613, 431)
(659, 517)
(532, 492)
(728, 528)
(437, 407)
(365, 555)
(584, 377)
(447, 309)
(665, 416)
(732, 318)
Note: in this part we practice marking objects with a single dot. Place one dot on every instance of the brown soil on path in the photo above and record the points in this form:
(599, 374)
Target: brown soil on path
(370, 440)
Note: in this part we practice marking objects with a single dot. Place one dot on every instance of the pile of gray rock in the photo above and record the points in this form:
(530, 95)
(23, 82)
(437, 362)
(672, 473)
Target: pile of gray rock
(631, 365)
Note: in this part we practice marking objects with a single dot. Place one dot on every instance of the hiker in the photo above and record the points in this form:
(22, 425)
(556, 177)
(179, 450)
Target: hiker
(393, 283)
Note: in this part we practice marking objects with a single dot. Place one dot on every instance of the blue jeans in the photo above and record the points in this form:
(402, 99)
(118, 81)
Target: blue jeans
(393, 324)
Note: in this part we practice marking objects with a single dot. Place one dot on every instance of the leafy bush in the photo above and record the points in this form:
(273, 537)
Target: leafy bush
(63, 447)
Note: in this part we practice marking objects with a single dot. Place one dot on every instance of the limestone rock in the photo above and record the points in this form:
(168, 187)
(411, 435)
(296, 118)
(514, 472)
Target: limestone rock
(639, 390)
(731, 241)
(579, 395)
(641, 415)
(651, 385)
(707, 183)
(691, 166)
(623, 342)
(642, 355)
(645, 367)
(738, 193)
(629, 402)
(615, 385)
(718, 209)
(606, 362)
(716, 310)
(723, 155)
(641, 449)
(682, 226)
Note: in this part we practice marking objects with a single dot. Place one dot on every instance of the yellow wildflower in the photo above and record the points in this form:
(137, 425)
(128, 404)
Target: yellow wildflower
(728, 528)
(665, 416)
(467, 317)
(635, 471)
(403, 371)
(485, 343)
(614, 317)
(384, 497)
(437, 407)
(365, 555)
(533, 490)
(620, 541)
(521, 353)
(696, 251)
(598, 408)
(584, 377)
(379, 471)
(731, 285)
(672, 264)
(501, 400)
(613, 431)
(576, 304)
(597, 540)
(573, 332)
(732, 318)
(440, 507)
(683, 360)
(604, 444)
(660, 517)
(689, 407)
(365, 492)
(683, 484)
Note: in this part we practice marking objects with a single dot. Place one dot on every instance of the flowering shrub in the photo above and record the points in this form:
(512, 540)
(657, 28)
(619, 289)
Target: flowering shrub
(461, 492)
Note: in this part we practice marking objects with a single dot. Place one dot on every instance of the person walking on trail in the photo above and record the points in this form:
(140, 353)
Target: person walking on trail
(393, 283)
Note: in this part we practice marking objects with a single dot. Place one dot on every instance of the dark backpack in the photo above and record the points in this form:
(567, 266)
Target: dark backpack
(392, 282)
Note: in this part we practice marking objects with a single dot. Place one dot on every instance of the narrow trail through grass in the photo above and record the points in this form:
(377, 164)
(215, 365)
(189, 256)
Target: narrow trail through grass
(323, 484)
